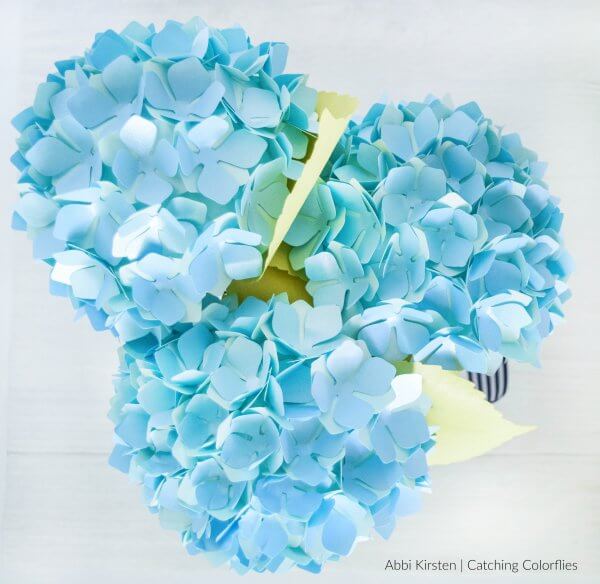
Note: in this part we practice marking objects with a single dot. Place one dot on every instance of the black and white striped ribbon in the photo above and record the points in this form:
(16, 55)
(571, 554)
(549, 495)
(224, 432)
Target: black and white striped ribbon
(494, 386)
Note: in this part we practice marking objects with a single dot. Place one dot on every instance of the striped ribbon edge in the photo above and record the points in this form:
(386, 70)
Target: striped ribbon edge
(494, 386)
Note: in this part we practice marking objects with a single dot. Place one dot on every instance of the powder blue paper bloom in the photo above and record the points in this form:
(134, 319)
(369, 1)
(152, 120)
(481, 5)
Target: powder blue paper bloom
(505, 322)
(159, 286)
(196, 422)
(453, 236)
(402, 268)
(335, 528)
(310, 451)
(88, 280)
(366, 477)
(106, 101)
(393, 330)
(179, 361)
(358, 225)
(65, 159)
(151, 230)
(399, 435)
(350, 386)
(208, 488)
(146, 163)
(311, 226)
(400, 502)
(294, 381)
(468, 223)
(247, 441)
(238, 368)
(293, 499)
(434, 331)
(222, 253)
(262, 540)
(263, 199)
(338, 212)
(300, 330)
(200, 422)
(336, 276)
(90, 218)
(145, 146)
(186, 91)
(209, 149)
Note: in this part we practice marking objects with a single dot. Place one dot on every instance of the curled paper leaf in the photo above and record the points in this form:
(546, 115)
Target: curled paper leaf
(334, 112)
(467, 425)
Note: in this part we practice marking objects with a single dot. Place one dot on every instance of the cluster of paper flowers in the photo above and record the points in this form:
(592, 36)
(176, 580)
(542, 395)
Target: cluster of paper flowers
(166, 169)
(142, 167)
(269, 438)
(437, 236)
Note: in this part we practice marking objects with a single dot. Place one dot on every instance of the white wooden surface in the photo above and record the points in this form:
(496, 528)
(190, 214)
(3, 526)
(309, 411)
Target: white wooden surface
(533, 66)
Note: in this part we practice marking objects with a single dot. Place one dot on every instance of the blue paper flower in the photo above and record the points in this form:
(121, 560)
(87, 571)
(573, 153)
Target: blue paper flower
(402, 267)
(209, 149)
(246, 441)
(310, 451)
(263, 198)
(145, 146)
(350, 387)
(89, 218)
(468, 222)
(299, 330)
(185, 91)
(107, 100)
(336, 276)
(160, 287)
(202, 423)
(223, 253)
(64, 158)
(340, 213)
(311, 226)
(196, 422)
(146, 162)
(208, 488)
(88, 281)
(293, 499)
(238, 368)
(263, 540)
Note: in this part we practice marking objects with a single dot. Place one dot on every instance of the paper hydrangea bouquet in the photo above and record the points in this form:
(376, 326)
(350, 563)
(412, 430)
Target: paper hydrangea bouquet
(292, 292)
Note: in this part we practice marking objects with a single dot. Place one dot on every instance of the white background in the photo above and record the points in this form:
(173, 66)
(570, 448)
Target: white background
(534, 67)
